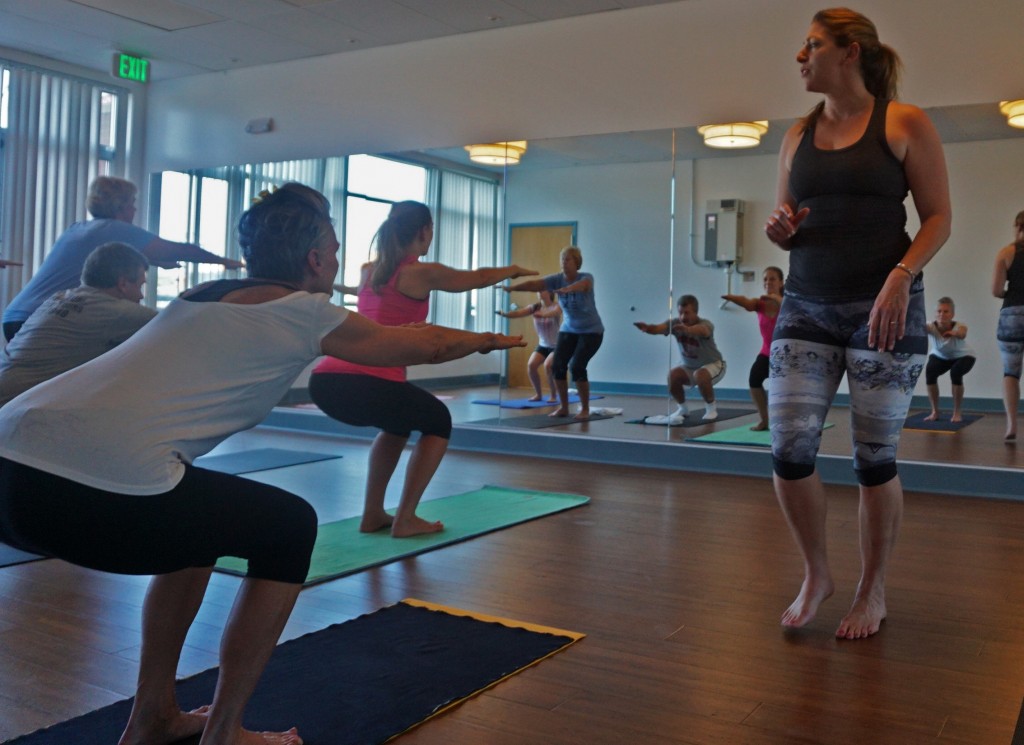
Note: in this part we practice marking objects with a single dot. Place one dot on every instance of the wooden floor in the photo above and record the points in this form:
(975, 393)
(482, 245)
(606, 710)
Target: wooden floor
(678, 581)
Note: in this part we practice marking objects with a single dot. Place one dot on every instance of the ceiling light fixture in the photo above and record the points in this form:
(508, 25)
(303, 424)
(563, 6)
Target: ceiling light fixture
(735, 135)
(1014, 112)
(497, 153)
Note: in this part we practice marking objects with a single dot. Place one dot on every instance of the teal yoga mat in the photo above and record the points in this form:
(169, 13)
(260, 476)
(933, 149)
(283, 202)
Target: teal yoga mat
(341, 549)
(741, 435)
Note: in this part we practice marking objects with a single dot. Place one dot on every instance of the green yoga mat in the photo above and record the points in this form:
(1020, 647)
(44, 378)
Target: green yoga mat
(741, 436)
(341, 549)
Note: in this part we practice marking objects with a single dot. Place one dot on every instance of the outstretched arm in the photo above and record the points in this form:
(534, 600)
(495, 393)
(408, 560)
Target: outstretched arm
(530, 285)
(652, 328)
(747, 303)
(529, 310)
(364, 342)
(163, 252)
(419, 279)
(584, 284)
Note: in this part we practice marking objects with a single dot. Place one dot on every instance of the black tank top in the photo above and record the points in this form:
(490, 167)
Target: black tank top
(212, 292)
(1015, 280)
(855, 232)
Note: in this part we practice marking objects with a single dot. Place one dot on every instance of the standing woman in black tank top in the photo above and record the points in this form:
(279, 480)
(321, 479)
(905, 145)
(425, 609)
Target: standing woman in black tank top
(1008, 284)
(854, 298)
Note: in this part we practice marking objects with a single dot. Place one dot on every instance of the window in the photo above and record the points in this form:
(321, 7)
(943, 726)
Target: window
(57, 133)
(203, 206)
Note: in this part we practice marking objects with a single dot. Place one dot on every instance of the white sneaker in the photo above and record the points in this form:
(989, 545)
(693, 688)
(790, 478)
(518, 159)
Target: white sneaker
(681, 411)
(710, 413)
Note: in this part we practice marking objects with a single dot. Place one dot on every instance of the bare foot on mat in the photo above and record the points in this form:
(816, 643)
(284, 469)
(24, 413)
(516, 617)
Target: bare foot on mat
(415, 526)
(157, 732)
(375, 522)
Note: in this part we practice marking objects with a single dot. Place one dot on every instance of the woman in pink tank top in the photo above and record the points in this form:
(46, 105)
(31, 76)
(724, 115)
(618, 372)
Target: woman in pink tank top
(394, 290)
(767, 309)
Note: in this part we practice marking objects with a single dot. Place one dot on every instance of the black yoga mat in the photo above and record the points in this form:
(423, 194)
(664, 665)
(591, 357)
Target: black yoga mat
(942, 424)
(537, 421)
(359, 682)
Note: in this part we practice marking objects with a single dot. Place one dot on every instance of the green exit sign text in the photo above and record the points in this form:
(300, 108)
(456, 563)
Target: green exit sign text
(131, 68)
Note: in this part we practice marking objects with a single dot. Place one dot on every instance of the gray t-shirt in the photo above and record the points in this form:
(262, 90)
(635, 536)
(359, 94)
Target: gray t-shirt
(69, 329)
(697, 351)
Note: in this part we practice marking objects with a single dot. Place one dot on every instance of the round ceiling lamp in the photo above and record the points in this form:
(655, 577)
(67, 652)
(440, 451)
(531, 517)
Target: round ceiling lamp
(1014, 112)
(735, 135)
(497, 153)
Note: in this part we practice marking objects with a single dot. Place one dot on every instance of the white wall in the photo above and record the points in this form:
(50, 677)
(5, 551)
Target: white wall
(672, 65)
(623, 217)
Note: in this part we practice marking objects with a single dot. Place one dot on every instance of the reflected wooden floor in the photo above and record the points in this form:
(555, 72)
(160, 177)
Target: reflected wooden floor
(677, 579)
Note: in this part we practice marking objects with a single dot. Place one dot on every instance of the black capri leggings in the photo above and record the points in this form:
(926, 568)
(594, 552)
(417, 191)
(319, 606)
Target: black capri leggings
(573, 352)
(365, 401)
(759, 371)
(956, 368)
(206, 516)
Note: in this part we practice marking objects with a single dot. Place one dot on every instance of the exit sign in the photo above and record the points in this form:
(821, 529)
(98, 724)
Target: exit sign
(131, 68)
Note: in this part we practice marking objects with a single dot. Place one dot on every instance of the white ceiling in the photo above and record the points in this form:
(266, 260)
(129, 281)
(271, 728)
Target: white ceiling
(191, 37)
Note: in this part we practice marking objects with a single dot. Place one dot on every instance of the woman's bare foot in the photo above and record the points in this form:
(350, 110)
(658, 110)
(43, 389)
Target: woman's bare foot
(957, 417)
(932, 417)
(245, 737)
(161, 731)
(759, 427)
(1010, 436)
(812, 594)
(582, 414)
(415, 526)
(552, 399)
(536, 397)
(373, 523)
(560, 411)
(864, 619)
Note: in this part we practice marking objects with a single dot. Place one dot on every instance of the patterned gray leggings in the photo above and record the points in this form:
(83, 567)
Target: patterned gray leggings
(814, 345)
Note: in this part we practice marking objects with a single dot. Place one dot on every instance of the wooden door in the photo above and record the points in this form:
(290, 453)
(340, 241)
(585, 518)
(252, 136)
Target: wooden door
(535, 247)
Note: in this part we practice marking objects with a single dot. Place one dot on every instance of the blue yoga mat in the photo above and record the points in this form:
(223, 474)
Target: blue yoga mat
(260, 459)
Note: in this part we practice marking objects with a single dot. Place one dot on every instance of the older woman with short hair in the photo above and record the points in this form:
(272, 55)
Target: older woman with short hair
(108, 447)
(581, 333)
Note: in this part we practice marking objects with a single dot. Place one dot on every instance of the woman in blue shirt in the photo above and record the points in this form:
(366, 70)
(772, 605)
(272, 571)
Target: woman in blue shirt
(581, 333)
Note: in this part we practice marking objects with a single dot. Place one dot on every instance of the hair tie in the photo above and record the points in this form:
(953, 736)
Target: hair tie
(263, 195)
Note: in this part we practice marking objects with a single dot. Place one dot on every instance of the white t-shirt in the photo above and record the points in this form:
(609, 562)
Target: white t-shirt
(72, 327)
(126, 422)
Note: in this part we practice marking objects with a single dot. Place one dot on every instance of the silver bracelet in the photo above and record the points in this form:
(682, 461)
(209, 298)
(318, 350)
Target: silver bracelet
(906, 268)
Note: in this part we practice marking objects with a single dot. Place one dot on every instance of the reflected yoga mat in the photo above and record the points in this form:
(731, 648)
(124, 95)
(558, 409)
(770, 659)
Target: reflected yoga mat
(742, 435)
(942, 424)
(9, 556)
(259, 459)
(359, 682)
(341, 549)
(537, 421)
(693, 419)
(525, 403)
